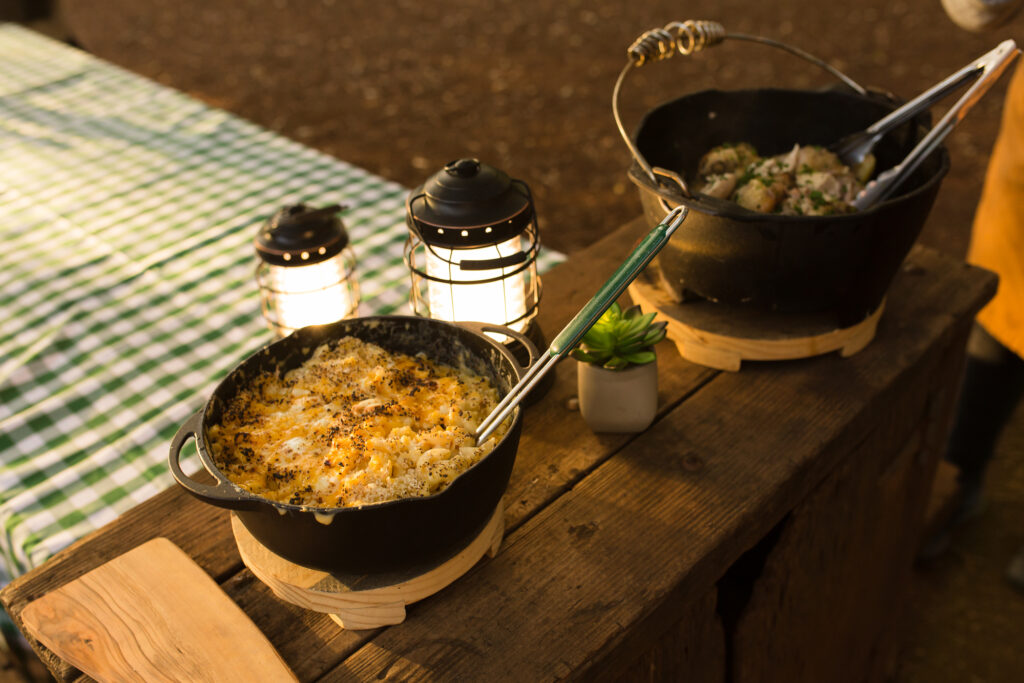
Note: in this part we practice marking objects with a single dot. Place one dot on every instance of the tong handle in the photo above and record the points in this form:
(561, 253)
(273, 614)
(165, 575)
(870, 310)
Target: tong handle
(571, 334)
(990, 66)
(617, 283)
(926, 99)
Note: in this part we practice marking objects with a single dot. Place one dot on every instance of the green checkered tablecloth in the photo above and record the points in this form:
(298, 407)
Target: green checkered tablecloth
(127, 211)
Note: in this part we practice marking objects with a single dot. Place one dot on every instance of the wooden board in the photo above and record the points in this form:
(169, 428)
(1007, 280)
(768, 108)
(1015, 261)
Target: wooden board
(860, 529)
(691, 650)
(722, 337)
(153, 614)
(360, 601)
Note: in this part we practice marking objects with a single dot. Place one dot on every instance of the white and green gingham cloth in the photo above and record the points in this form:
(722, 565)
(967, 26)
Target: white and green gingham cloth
(127, 211)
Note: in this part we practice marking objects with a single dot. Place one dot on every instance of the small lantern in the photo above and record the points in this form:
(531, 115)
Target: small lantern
(306, 269)
(473, 247)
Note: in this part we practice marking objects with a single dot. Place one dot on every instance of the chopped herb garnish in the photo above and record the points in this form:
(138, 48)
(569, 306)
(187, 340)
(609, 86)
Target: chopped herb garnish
(747, 176)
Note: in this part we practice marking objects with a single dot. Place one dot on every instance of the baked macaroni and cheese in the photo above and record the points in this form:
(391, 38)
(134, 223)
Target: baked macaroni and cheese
(355, 424)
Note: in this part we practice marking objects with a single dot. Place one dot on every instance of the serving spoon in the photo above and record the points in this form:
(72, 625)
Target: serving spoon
(852, 149)
(571, 334)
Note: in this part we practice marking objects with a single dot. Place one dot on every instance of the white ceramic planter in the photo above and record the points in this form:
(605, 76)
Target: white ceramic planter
(624, 401)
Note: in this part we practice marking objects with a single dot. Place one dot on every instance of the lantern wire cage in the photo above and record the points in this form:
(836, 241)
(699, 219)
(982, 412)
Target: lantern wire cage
(272, 296)
(507, 265)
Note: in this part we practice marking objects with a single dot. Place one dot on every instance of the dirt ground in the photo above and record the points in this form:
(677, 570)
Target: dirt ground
(402, 87)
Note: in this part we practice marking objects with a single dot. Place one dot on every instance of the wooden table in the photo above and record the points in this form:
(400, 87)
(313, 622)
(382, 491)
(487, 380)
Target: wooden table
(762, 529)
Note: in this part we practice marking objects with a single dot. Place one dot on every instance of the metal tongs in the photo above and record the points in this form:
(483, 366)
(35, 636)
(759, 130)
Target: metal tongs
(852, 149)
(571, 334)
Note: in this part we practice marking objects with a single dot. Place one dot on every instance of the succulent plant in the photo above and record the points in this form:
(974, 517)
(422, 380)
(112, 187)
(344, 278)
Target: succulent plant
(620, 338)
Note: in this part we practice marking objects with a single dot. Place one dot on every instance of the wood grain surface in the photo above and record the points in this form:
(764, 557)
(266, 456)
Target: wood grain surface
(153, 614)
(692, 649)
(609, 538)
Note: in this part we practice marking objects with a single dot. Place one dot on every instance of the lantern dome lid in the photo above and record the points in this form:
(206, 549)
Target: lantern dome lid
(300, 235)
(469, 203)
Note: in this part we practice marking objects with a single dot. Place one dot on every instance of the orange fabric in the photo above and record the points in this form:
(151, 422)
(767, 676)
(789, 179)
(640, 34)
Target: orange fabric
(997, 239)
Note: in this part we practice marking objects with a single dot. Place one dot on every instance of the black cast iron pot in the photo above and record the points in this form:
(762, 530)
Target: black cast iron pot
(725, 253)
(400, 535)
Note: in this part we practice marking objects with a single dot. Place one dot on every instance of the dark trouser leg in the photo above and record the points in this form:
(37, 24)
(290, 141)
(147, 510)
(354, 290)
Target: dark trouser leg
(993, 383)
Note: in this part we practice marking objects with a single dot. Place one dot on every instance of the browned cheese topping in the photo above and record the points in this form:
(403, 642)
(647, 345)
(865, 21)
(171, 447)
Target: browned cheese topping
(354, 425)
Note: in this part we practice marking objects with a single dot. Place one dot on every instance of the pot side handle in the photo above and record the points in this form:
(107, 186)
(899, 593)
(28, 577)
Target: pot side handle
(222, 494)
(530, 347)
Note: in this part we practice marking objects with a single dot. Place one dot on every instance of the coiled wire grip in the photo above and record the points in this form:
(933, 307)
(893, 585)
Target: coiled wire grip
(686, 38)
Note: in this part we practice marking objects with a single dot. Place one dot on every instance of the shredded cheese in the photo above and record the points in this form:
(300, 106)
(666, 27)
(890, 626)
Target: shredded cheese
(355, 424)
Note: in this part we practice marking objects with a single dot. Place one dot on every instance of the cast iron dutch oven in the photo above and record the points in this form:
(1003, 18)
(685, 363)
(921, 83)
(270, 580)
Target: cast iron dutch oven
(725, 253)
(400, 535)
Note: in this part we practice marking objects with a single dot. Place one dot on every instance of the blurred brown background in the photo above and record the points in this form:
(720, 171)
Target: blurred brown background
(401, 87)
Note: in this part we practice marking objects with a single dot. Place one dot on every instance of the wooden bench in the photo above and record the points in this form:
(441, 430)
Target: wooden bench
(763, 528)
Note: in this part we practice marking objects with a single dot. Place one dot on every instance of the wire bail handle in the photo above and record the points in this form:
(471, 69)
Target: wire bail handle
(686, 38)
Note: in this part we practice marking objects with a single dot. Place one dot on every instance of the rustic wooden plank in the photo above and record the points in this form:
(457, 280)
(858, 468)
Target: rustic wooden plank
(309, 642)
(692, 650)
(825, 605)
(557, 448)
(661, 521)
(837, 547)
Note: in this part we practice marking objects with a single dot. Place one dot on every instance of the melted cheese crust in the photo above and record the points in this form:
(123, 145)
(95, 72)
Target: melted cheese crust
(354, 425)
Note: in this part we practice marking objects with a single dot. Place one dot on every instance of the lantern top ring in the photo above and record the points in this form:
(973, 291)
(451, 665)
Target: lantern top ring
(299, 235)
(466, 235)
(469, 204)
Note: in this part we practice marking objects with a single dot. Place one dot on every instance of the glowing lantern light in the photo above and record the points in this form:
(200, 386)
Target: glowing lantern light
(473, 248)
(306, 269)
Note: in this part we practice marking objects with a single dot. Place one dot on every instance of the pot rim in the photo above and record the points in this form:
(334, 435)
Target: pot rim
(244, 499)
(719, 207)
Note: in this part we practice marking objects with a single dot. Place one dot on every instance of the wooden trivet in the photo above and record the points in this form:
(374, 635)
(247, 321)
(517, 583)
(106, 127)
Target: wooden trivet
(723, 336)
(357, 601)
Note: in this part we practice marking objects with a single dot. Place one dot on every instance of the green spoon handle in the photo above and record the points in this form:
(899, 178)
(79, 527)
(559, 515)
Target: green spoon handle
(611, 290)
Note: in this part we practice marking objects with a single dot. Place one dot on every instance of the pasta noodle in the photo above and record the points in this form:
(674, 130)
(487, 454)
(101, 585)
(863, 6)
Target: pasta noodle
(355, 424)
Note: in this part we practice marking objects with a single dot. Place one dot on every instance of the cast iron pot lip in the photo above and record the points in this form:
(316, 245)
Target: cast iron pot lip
(720, 207)
(245, 495)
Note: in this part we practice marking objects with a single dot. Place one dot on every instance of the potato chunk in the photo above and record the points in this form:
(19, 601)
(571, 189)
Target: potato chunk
(726, 158)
